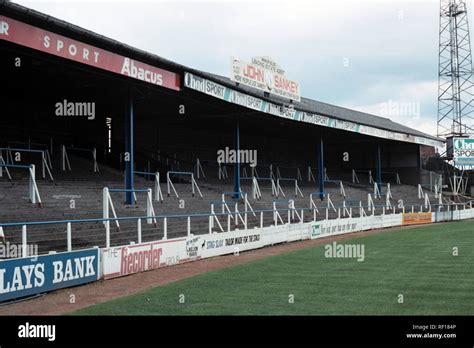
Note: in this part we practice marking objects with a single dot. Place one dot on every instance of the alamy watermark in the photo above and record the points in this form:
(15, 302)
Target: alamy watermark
(395, 108)
(335, 250)
(237, 156)
(81, 109)
(11, 251)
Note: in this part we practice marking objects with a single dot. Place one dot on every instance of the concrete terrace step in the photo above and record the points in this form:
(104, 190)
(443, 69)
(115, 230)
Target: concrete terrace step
(15, 207)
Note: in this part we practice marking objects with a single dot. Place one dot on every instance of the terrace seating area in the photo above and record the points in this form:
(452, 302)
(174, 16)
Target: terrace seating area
(78, 195)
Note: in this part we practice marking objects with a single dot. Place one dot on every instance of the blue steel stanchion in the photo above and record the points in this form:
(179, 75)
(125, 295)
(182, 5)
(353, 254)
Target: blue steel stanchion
(129, 148)
(320, 150)
(237, 163)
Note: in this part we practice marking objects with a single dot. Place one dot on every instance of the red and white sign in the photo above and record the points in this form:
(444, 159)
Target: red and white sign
(135, 258)
(45, 41)
(265, 75)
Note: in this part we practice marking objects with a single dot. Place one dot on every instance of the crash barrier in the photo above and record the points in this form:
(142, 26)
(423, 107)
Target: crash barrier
(249, 171)
(46, 165)
(239, 195)
(253, 172)
(256, 193)
(170, 185)
(65, 157)
(280, 189)
(394, 175)
(108, 206)
(222, 172)
(274, 172)
(292, 212)
(31, 145)
(199, 172)
(337, 183)
(296, 171)
(158, 192)
(434, 183)
(33, 192)
(458, 183)
(311, 176)
(377, 193)
(357, 172)
(116, 261)
(236, 215)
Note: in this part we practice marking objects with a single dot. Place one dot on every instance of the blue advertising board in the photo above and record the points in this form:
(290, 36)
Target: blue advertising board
(34, 275)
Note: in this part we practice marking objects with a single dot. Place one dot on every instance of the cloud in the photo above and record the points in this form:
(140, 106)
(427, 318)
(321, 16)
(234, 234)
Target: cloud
(405, 106)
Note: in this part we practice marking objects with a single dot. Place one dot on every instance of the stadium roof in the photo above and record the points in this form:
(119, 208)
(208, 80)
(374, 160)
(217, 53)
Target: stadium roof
(39, 19)
(318, 107)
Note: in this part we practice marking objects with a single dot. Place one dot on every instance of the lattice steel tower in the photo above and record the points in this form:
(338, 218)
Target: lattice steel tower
(455, 92)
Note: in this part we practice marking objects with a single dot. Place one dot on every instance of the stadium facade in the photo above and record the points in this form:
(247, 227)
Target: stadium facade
(86, 119)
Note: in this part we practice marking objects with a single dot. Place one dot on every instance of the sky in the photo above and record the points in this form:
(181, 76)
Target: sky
(376, 56)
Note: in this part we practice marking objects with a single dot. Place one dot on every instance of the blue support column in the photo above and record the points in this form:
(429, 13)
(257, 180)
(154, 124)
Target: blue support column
(378, 168)
(320, 149)
(129, 149)
(237, 163)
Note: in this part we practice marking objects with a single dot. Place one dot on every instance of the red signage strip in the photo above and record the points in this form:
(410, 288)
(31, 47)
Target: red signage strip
(42, 40)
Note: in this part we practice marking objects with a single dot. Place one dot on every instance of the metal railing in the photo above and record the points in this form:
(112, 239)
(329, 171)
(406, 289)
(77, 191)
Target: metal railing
(46, 165)
(33, 191)
(170, 185)
(377, 193)
(241, 195)
(298, 172)
(138, 219)
(355, 177)
(311, 175)
(222, 172)
(297, 188)
(65, 158)
(435, 183)
(256, 193)
(198, 170)
(338, 183)
(107, 200)
(394, 174)
(291, 210)
(158, 192)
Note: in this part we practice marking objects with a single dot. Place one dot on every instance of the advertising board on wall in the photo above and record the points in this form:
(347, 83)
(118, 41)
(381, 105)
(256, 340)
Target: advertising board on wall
(417, 218)
(230, 95)
(463, 151)
(326, 228)
(45, 41)
(338, 226)
(230, 242)
(453, 215)
(134, 258)
(265, 75)
(29, 276)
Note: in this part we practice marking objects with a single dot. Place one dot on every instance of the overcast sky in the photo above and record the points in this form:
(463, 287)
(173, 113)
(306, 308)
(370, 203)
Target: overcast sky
(375, 56)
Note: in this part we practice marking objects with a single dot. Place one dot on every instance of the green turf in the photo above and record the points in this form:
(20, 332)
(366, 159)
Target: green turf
(417, 263)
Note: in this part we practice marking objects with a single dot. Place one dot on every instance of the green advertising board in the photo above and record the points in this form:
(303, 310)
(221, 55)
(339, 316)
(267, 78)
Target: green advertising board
(463, 151)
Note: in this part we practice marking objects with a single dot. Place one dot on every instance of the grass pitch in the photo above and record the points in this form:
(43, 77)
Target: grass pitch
(416, 263)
